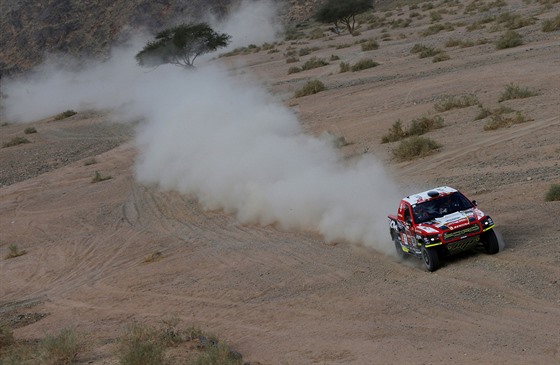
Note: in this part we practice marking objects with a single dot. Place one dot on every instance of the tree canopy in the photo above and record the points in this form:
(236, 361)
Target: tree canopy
(342, 11)
(181, 45)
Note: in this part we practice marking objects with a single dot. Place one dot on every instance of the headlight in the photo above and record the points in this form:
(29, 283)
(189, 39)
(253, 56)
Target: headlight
(487, 222)
(431, 238)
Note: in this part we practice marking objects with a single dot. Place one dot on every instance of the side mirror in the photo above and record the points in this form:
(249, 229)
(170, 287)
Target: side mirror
(475, 203)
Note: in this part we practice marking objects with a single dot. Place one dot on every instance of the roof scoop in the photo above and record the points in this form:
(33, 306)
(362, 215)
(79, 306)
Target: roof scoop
(433, 193)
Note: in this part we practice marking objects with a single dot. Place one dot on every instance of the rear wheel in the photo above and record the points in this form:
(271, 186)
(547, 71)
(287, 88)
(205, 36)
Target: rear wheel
(490, 242)
(431, 259)
(400, 253)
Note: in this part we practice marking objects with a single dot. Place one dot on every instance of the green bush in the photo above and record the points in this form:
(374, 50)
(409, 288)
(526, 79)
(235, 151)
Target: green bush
(64, 115)
(344, 67)
(14, 251)
(294, 69)
(440, 57)
(314, 62)
(98, 178)
(424, 51)
(550, 25)
(15, 141)
(553, 193)
(59, 349)
(414, 147)
(424, 124)
(396, 133)
(509, 39)
(513, 21)
(217, 354)
(305, 51)
(370, 45)
(364, 64)
(504, 120)
(514, 91)
(311, 87)
(142, 346)
(454, 102)
(436, 28)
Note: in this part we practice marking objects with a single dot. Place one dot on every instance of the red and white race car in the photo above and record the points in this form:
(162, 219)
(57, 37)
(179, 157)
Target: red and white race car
(440, 222)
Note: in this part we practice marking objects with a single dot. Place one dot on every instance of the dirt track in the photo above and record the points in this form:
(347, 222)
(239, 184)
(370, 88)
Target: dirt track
(288, 297)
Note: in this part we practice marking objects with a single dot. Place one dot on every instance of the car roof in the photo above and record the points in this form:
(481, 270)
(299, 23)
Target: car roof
(428, 195)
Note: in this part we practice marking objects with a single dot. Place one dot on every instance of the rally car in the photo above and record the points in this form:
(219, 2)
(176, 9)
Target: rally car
(440, 222)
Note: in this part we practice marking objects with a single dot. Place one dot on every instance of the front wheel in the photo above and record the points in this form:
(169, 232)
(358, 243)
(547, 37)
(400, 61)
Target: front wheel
(490, 242)
(431, 259)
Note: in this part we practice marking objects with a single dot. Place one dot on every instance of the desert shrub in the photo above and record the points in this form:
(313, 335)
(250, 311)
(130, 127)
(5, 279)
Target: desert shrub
(6, 337)
(311, 87)
(396, 133)
(293, 34)
(344, 67)
(483, 113)
(217, 354)
(454, 102)
(292, 59)
(364, 64)
(441, 57)
(30, 130)
(513, 21)
(509, 39)
(550, 25)
(64, 115)
(436, 28)
(306, 50)
(370, 45)
(424, 51)
(15, 141)
(414, 147)
(294, 69)
(424, 124)
(90, 161)
(59, 349)
(140, 346)
(504, 120)
(344, 45)
(316, 33)
(458, 43)
(435, 16)
(514, 91)
(334, 58)
(14, 251)
(153, 257)
(314, 62)
(98, 178)
(553, 193)
(400, 23)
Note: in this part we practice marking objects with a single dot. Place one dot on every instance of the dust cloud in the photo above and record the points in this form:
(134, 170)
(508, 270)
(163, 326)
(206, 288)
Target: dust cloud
(224, 139)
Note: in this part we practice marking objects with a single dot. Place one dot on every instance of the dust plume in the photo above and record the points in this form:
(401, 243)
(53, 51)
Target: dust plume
(224, 139)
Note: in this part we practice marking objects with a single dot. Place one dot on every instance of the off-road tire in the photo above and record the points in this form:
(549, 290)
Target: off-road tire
(430, 258)
(400, 253)
(490, 242)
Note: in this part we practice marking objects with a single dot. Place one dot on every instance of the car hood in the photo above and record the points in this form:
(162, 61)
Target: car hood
(451, 222)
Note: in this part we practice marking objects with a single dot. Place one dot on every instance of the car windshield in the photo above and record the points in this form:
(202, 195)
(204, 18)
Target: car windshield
(438, 207)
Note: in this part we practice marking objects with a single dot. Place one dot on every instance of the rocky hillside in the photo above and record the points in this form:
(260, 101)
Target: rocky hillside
(29, 29)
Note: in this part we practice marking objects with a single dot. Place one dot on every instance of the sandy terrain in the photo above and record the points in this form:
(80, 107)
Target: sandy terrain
(288, 297)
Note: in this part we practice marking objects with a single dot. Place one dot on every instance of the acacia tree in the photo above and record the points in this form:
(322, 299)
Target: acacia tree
(342, 11)
(181, 45)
